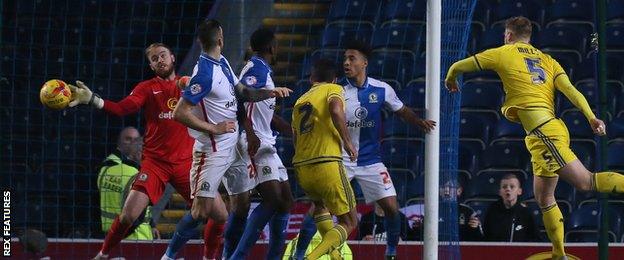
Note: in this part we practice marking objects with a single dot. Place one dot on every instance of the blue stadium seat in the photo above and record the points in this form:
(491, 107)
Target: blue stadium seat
(506, 130)
(562, 39)
(615, 12)
(406, 182)
(571, 12)
(615, 36)
(481, 14)
(404, 11)
(568, 61)
(615, 160)
(336, 55)
(393, 126)
(413, 95)
(363, 10)
(474, 128)
(490, 39)
(468, 160)
(338, 34)
(533, 10)
(586, 153)
(589, 91)
(402, 153)
(536, 211)
(482, 186)
(488, 96)
(577, 125)
(583, 225)
(285, 150)
(505, 156)
(399, 36)
(395, 65)
(615, 130)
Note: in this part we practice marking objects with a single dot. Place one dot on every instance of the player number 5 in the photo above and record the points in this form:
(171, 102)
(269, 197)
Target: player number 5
(537, 73)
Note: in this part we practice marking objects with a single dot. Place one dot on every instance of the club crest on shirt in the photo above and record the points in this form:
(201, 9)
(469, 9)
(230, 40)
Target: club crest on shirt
(251, 80)
(266, 170)
(142, 177)
(372, 98)
(171, 103)
(205, 186)
(195, 88)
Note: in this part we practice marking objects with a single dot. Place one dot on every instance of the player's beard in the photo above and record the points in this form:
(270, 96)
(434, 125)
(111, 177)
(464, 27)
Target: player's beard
(165, 72)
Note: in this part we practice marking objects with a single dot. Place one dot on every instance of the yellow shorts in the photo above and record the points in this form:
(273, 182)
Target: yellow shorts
(327, 182)
(549, 146)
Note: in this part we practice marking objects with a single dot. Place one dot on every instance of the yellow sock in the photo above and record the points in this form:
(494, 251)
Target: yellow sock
(324, 223)
(609, 182)
(332, 240)
(553, 221)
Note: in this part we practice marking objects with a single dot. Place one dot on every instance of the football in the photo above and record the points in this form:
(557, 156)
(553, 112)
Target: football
(55, 94)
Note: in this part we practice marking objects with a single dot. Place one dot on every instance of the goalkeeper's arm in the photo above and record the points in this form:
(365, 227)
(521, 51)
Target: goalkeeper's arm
(83, 95)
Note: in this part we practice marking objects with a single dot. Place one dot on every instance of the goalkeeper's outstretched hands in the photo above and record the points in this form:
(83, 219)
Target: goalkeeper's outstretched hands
(83, 95)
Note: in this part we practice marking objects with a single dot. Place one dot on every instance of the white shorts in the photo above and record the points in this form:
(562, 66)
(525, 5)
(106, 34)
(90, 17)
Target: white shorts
(374, 180)
(208, 170)
(266, 162)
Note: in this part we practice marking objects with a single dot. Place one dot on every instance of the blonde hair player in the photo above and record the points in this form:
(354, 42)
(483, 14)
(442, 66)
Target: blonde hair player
(530, 79)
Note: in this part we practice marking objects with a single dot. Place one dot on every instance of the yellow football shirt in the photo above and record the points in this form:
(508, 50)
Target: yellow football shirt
(316, 138)
(528, 77)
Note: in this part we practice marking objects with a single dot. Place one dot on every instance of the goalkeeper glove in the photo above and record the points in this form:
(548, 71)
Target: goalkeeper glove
(83, 95)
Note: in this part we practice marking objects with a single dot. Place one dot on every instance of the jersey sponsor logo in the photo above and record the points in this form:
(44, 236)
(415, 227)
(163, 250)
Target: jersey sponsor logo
(166, 115)
(361, 112)
(272, 106)
(372, 98)
(360, 124)
(205, 186)
(266, 170)
(232, 91)
(172, 102)
(142, 177)
(156, 92)
(251, 80)
(195, 88)
(230, 103)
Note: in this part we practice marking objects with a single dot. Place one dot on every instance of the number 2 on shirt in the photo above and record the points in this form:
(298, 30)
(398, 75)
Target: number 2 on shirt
(537, 73)
(304, 125)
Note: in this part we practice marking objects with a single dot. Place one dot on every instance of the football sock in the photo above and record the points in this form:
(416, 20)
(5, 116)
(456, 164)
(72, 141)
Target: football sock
(213, 239)
(116, 233)
(332, 240)
(306, 233)
(184, 231)
(255, 224)
(553, 222)
(277, 238)
(609, 182)
(233, 230)
(324, 223)
(393, 231)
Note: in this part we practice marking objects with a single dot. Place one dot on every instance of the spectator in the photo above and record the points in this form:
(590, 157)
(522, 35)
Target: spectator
(508, 220)
(116, 176)
(469, 224)
(372, 226)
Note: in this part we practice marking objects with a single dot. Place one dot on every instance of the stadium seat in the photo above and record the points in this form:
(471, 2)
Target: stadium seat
(413, 94)
(506, 130)
(505, 156)
(589, 91)
(395, 65)
(583, 222)
(338, 34)
(586, 153)
(615, 129)
(490, 39)
(615, 12)
(567, 61)
(336, 55)
(615, 160)
(578, 126)
(571, 12)
(482, 186)
(481, 14)
(562, 39)
(474, 128)
(285, 150)
(615, 36)
(403, 11)
(402, 153)
(536, 211)
(394, 126)
(468, 160)
(533, 10)
(488, 96)
(362, 10)
(407, 37)
(407, 184)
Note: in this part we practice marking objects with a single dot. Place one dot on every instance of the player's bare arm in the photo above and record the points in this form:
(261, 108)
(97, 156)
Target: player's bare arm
(458, 68)
(563, 84)
(281, 125)
(183, 114)
(336, 110)
(408, 115)
(253, 142)
(255, 95)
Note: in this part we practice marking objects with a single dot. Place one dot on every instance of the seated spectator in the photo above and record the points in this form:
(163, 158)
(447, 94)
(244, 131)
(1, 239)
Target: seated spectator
(372, 227)
(508, 220)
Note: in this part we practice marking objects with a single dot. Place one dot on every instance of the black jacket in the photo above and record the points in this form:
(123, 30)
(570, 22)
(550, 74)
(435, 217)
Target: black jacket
(500, 221)
(467, 233)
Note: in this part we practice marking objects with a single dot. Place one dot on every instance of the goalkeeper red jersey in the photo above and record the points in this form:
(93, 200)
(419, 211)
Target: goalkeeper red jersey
(164, 139)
